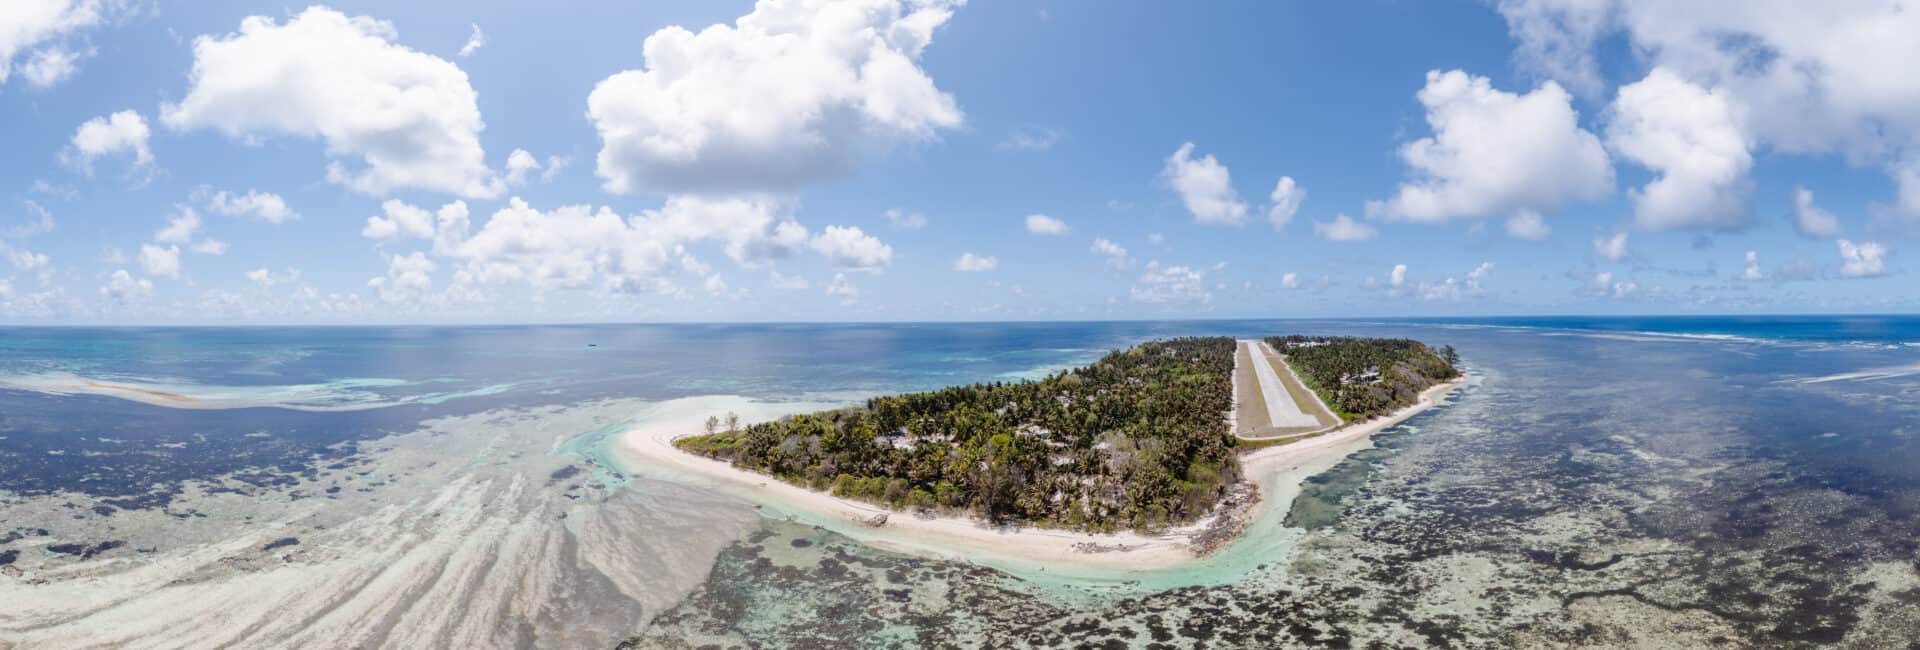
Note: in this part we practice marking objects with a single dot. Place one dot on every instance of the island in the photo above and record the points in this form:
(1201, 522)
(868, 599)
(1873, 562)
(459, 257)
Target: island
(1140, 442)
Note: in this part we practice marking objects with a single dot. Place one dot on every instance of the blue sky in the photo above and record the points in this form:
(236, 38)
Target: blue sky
(226, 162)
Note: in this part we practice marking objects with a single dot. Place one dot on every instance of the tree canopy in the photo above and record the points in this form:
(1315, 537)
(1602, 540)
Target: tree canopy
(1136, 440)
(1363, 378)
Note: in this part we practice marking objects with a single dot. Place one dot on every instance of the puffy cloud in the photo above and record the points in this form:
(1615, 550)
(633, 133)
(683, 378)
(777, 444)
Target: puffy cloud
(790, 93)
(122, 132)
(1170, 285)
(122, 287)
(1343, 228)
(567, 248)
(520, 163)
(1204, 187)
(209, 247)
(160, 262)
(38, 28)
(450, 227)
(843, 289)
(1030, 138)
(1290, 280)
(1806, 78)
(24, 260)
(409, 278)
(401, 220)
(971, 263)
(905, 220)
(475, 41)
(52, 65)
(778, 281)
(1555, 39)
(255, 205)
(1116, 255)
(412, 118)
(1613, 248)
(1604, 285)
(1448, 289)
(849, 248)
(1691, 137)
(1528, 225)
(1752, 272)
(1285, 201)
(578, 246)
(261, 277)
(180, 228)
(1862, 260)
(1496, 153)
(1040, 224)
(1811, 221)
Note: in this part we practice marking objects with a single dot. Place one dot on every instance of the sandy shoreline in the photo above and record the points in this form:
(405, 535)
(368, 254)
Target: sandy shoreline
(1279, 471)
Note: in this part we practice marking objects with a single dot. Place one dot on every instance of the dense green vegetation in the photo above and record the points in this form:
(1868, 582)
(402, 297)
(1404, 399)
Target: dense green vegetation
(1137, 440)
(1365, 378)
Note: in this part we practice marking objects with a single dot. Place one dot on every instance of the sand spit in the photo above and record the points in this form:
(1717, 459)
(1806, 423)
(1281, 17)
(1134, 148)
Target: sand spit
(357, 394)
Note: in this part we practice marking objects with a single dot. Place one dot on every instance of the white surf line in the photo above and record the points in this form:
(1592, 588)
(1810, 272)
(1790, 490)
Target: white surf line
(1282, 412)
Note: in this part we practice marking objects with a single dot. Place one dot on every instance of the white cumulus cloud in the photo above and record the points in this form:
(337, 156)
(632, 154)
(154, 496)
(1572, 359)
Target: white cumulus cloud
(1811, 221)
(1170, 284)
(1284, 202)
(1804, 78)
(1041, 224)
(160, 262)
(1117, 257)
(1863, 260)
(850, 249)
(1691, 137)
(411, 118)
(122, 132)
(475, 41)
(1613, 248)
(409, 278)
(1343, 228)
(843, 289)
(255, 205)
(792, 92)
(401, 220)
(180, 228)
(1528, 224)
(971, 263)
(1205, 187)
(1496, 153)
(39, 29)
(122, 287)
(905, 220)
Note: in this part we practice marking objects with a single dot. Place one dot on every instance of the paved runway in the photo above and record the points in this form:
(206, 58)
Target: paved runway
(1281, 409)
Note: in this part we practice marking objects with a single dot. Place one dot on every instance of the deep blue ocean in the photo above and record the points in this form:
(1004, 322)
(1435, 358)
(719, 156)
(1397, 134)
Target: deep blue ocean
(1755, 471)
